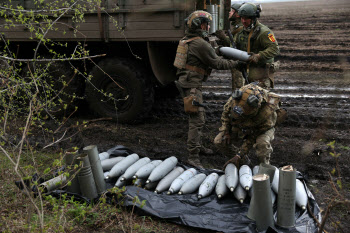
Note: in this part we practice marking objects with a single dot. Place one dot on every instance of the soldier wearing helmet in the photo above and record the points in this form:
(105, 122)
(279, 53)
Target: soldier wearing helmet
(235, 27)
(258, 40)
(235, 19)
(195, 58)
(249, 117)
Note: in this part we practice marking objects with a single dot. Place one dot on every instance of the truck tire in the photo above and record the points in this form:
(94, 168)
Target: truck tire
(127, 105)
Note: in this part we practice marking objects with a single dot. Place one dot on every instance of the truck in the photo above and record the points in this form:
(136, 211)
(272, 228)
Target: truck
(138, 47)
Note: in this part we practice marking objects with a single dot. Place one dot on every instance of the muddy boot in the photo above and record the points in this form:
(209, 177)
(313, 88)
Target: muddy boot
(206, 151)
(193, 159)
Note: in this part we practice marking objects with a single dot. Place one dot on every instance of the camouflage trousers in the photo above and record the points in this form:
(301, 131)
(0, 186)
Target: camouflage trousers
(261, 143)
(237, 79)
(196, 122)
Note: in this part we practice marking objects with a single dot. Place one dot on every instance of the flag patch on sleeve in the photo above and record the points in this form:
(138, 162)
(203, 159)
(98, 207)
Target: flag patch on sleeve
(271, 37)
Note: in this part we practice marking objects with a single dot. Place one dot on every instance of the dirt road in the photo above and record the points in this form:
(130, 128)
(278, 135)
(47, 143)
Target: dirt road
(314, 83)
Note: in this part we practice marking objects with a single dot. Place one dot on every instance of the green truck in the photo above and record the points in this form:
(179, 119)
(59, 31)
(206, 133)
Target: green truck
(139, 46)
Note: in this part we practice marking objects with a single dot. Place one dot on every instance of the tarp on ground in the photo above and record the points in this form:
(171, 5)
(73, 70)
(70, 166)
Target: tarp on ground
(225, 215)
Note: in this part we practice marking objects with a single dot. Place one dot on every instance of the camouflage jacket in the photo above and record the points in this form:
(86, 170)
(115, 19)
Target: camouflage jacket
(201, 54)
(262, 42)
(264, 120)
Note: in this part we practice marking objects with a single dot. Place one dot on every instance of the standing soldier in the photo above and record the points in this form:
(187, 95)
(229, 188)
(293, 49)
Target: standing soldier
(250, 115)
(194, 59)
(260, 42)
(235, 27)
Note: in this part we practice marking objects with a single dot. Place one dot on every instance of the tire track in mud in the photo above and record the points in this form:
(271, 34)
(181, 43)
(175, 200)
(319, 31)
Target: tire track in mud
(313, 39)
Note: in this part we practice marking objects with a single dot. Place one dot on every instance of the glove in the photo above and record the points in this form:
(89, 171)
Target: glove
(220, 34)
(217, 50)
(254, 58)
(235, 160)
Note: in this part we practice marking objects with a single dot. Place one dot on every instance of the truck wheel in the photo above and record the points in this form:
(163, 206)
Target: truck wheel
(119, 88)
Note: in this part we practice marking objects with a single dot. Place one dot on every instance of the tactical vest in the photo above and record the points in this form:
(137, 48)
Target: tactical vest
(181, 57)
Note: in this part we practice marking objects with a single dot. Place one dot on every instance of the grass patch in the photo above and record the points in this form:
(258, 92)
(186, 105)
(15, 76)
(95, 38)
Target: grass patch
(19, 212)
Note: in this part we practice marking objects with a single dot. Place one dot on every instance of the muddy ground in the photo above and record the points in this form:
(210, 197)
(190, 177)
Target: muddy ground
(313, 81)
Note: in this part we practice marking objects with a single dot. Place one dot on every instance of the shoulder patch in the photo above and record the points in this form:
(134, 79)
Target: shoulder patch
(271, 37)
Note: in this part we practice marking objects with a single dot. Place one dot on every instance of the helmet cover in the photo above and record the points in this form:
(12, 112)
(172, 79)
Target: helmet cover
(247, 101)
(196, 18)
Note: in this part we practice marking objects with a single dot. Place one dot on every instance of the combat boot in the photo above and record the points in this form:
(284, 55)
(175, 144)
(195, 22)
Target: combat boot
(206, 151)
(193, 159)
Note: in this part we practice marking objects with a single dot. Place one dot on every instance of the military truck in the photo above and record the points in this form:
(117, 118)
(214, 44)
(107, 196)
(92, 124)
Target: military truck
(140, 50)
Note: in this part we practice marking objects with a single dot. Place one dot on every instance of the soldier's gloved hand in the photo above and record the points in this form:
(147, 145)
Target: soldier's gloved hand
(217, 50)
(235, 160)
(254, 58)
(220, 34)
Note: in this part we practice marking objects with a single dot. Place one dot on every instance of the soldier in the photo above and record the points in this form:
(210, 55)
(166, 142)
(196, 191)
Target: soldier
(235, 27)
(259, 40)
(194, 59)
(249, 116)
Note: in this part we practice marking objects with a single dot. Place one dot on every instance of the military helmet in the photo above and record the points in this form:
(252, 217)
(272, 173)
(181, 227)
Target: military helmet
(247, 101)
(196, 18)
(236, 6)
(250, 10)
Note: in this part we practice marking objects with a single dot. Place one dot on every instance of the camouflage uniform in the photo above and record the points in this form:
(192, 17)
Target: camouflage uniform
(201, 55)
(255, 130)
(262, 42)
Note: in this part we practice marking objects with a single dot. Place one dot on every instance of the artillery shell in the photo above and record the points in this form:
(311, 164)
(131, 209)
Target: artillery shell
(300, 195)
(180, 180)
(165, 183)
(107, 164)
(239, 193)
(130, 172)
(221, 188)
(208, 185)
(275, 181)
(245, 177)
(120, 183)
(231, 176)
(121, 167)
(146, 170)
(140, 182)
(255, 170)
(103, 155)
(162, 169)
(192, 184)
